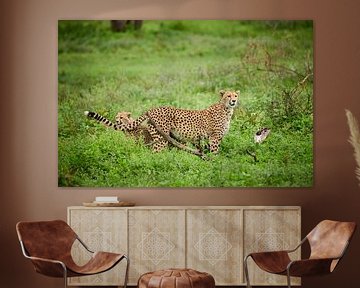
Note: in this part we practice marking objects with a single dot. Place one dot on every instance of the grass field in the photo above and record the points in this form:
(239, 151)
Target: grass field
(185, 64)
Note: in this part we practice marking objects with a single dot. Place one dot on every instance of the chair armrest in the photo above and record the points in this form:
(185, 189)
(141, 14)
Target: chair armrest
(46, 260)
(298, 246)
(271, 261)
(268, 253)
(84, 245)
(48, 267)
(309, 267)
(281, 251)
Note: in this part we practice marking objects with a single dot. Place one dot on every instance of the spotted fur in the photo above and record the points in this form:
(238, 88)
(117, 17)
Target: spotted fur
(190, 125)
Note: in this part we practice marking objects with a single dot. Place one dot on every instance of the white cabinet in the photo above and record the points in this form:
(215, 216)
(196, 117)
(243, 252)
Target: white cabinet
(210, 239)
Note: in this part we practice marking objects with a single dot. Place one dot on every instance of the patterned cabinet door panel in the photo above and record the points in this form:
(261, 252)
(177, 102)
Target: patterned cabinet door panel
(156, 240)
(214, 244)
(267, 230)
(101, 230)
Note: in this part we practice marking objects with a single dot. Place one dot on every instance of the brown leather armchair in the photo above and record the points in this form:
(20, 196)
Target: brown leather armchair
(48, 245)
(328, 242)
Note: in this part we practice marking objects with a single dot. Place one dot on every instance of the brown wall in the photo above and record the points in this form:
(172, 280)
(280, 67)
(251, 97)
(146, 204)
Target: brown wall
(28, 129)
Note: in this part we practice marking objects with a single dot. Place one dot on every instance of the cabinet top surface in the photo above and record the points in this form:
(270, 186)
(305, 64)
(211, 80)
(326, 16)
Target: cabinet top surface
(192, 207)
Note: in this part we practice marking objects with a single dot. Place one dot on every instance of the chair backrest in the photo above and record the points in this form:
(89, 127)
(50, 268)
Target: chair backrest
(46, 239)
(329, 239)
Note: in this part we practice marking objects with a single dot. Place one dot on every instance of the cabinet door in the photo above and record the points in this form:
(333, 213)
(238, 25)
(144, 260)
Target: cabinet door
(156, 240)
(269, 230)
(101, 230)
(214, 244)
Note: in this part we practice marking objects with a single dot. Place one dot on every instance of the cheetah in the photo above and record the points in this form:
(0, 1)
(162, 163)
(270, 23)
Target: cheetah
(210, 124)
(123, 118)
(140, 132)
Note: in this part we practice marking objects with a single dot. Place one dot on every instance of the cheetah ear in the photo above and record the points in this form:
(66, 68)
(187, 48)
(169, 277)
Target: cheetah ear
(237, 92)
(128, 114)
(222, 92)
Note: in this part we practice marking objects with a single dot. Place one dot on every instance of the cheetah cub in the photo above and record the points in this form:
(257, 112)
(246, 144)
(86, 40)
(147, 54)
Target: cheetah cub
(123, 118)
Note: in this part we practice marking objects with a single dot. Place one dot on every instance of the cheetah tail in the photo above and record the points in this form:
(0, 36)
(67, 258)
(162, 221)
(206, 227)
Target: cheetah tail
(101, 119)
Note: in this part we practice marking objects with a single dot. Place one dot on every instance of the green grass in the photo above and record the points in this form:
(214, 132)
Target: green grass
(185, 64)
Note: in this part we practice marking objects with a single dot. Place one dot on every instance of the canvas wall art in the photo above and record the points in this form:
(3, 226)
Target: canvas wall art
(185, 103)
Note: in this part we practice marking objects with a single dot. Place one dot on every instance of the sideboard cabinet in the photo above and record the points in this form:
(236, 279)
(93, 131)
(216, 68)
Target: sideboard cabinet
(210, 239)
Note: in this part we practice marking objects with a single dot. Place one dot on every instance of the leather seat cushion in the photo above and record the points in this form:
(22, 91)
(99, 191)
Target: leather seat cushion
(176, 278)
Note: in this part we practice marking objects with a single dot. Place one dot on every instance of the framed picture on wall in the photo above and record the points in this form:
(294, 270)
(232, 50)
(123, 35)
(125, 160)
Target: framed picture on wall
(185, 103)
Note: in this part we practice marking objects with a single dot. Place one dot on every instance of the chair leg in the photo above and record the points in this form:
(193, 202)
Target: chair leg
(65, 275)
(127, 271)
(288, 278)
(246, 272)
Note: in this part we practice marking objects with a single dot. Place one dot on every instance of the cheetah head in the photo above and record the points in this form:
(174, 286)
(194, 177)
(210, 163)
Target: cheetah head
(124, 118)
(229, 98)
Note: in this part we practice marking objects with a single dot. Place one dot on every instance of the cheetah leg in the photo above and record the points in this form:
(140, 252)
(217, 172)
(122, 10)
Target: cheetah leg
(202, 146)
(214, 143)
(159, 143)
